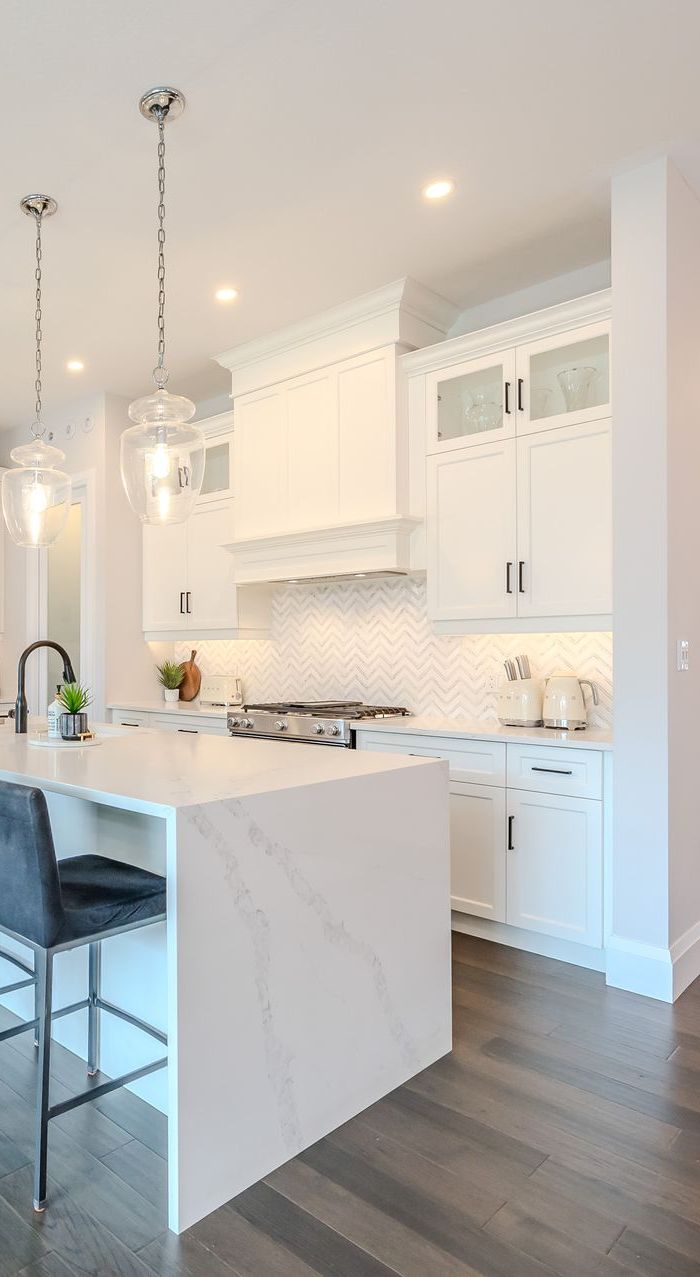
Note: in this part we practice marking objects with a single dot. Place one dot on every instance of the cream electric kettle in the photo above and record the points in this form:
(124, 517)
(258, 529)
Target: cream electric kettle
(564, 704)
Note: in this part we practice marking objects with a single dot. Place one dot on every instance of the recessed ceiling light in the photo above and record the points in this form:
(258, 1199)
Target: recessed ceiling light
(439, 189)
(75, 365)
(226, 294)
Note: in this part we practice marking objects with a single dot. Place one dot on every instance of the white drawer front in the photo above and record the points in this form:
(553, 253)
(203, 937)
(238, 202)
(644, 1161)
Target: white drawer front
(478, 762)
(189, 726)
(125, 718)
(551, 770)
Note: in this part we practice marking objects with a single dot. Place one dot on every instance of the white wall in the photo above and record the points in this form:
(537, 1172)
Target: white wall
(547, 292)
(656, 340)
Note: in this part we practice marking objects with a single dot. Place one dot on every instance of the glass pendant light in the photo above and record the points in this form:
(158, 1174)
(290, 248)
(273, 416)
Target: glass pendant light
(36, 494)
(162, 457)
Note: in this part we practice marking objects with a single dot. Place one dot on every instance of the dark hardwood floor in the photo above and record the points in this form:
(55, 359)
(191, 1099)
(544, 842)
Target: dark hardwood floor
(561, 1136)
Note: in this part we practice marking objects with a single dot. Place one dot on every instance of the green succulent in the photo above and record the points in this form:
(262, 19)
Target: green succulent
(170, 674)
(74, 697)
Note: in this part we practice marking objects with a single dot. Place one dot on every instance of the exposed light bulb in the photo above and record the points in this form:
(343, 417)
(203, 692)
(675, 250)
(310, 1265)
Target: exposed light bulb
(160, 462)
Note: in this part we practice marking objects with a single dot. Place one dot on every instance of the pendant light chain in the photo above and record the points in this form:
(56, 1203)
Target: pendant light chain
(160, 374)
(38, 429)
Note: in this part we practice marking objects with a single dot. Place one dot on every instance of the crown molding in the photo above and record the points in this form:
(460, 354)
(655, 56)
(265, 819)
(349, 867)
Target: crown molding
(549, 322)
(403, 312)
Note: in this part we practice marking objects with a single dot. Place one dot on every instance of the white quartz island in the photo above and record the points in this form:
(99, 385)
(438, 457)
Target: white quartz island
(306, 971)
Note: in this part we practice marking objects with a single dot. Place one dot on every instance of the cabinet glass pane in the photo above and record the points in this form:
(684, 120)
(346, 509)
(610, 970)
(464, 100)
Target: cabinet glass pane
(470, 404)
(570, 378)
(216, 469)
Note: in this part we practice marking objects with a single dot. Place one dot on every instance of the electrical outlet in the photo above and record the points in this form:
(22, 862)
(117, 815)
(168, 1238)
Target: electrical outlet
(682, 654)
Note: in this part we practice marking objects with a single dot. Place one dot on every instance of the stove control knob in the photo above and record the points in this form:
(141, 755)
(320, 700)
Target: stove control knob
(281, 725)
(234, 722)
(333, 730)
(319, 729)
(246, 722)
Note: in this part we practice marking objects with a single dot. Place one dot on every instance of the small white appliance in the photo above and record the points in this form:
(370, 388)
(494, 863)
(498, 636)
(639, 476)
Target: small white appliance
(520, 703)
(219, 691)
(564, 701)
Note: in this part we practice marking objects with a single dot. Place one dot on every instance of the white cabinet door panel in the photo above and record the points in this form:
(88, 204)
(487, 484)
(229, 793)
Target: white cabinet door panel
(565, 521)
(164, 576)
(260, 462)
(477, 850)
(312, 442)
(366, 474)
(210, 583)
(554, 866)
(472, 533)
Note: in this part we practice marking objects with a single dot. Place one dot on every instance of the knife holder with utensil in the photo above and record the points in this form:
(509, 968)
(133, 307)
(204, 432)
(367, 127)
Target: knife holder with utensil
(520, 703)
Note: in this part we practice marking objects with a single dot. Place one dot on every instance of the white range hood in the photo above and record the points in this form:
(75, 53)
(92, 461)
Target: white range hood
(321, 443)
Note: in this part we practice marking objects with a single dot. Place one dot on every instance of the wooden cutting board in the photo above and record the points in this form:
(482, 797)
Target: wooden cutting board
(189, 687)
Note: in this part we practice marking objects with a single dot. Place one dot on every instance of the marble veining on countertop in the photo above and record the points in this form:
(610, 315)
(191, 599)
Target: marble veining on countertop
(488, 729)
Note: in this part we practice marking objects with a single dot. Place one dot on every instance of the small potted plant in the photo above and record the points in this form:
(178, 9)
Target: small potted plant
(73, 722)
(170, 676)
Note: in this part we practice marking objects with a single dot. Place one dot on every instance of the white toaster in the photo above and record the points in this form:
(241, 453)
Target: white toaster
(520, 703)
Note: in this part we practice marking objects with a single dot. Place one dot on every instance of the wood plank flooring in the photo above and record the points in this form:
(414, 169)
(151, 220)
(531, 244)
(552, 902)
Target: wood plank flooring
(561, 1136)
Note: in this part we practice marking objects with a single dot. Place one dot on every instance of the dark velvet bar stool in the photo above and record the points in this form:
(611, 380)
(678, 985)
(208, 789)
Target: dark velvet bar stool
(51, 906)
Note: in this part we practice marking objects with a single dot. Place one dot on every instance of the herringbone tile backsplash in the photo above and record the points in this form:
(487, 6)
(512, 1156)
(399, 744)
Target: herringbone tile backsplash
(371, 641)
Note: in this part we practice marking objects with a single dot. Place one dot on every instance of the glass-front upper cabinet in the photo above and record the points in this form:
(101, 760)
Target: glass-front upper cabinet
(217, 484)
(471, 402)
(564, 380)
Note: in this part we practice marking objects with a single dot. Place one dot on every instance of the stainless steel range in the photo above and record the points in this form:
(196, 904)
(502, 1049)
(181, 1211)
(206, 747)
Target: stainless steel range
(313, 722)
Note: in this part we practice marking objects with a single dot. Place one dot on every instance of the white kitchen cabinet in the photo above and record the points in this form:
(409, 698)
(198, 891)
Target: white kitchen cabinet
(522, 528)
(526, 843)
(164, 721)
(564, 505)
(555, 866)
(188, 570)
(477, 831)
(562, 379)
(471, 518)
(472, 402)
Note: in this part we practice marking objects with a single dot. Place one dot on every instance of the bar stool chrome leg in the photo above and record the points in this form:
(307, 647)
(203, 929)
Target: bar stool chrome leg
(44, 970)
(94, 975)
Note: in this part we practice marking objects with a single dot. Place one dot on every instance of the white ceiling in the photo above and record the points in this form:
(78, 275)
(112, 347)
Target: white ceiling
(295, 172)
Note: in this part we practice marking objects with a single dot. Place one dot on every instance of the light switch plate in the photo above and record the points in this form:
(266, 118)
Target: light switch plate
(683, 654)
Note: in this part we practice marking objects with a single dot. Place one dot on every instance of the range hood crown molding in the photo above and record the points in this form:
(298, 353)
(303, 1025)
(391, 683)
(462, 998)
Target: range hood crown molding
(343, 551)
(403, 313)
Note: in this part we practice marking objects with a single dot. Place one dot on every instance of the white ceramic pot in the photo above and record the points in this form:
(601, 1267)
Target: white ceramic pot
(171, 694)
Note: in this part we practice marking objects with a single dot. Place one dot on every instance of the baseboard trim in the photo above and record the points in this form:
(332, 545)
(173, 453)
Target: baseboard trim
(580, 955)
(639, 968)
(685, 958)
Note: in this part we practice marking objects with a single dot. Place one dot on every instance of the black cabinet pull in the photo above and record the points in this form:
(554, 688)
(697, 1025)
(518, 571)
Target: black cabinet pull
(506, 398)
(521, 569)
(520, 395)
(191, 731)
(509, 569)
(182, 602)
(555, 771)
(188, 596)
(129, 724)
(510, 833)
